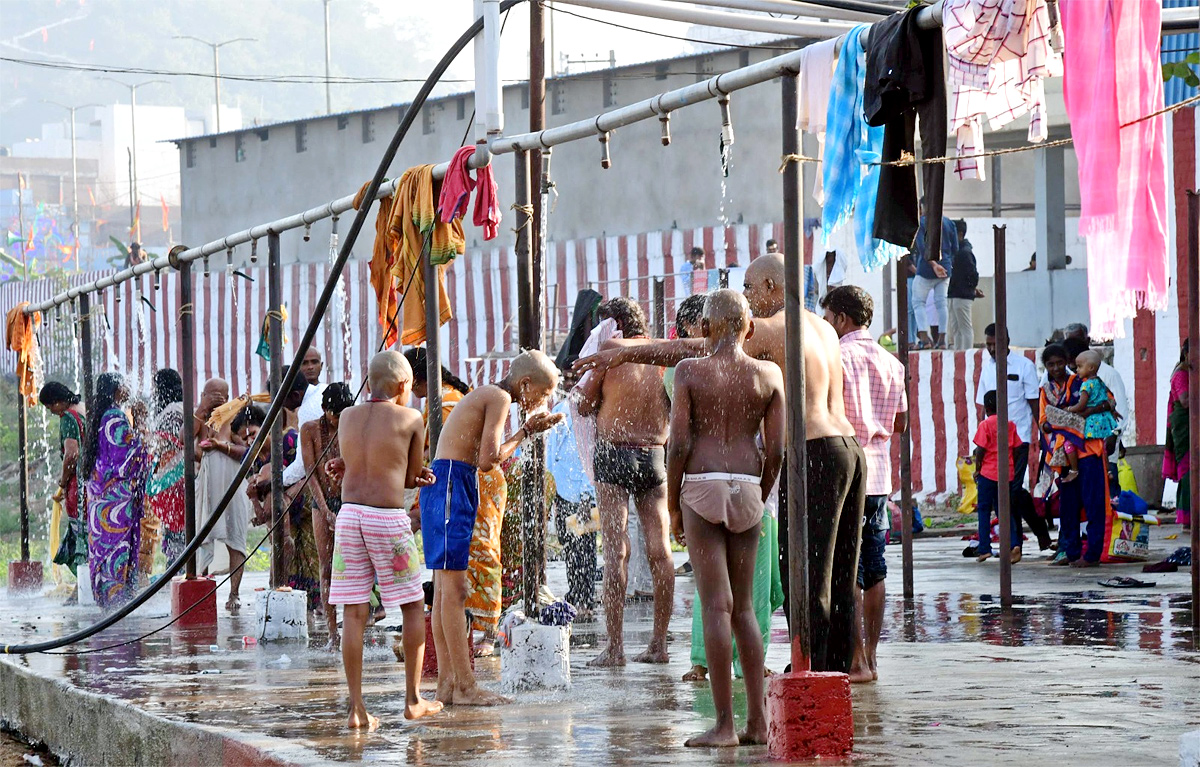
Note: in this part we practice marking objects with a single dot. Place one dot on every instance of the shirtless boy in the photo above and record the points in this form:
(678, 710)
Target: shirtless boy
(836, 464)
(718, 482)
(382, 444)
(632, 414)
(472, 440)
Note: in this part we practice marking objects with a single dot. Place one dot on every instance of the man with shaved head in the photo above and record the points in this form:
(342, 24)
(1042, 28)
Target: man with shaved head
(309, 410)
(836, 464)
(383, 446)
(219, 461)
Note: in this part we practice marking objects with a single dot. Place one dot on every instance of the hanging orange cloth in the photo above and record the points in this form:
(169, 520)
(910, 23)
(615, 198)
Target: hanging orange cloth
(382, 259)
(21, 339)
(414, 217)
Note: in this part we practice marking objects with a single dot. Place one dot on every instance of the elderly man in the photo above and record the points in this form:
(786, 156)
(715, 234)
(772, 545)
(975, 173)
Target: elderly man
(877, 407)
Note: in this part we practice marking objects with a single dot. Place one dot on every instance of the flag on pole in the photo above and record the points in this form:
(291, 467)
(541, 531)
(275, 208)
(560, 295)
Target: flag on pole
(137, 222)
(166, 222)
(91, 197)
(264, 337)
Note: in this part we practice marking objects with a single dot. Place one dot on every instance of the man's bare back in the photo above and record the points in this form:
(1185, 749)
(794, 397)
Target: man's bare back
(634, 408)
(382, 445)
(475, 428)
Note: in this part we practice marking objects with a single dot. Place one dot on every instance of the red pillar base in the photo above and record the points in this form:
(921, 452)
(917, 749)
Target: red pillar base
(429, 665)
(24, 577)
(185, 593)
(809, 716)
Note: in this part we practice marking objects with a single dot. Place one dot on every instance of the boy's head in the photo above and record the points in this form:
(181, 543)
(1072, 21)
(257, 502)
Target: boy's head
(247, 422)
(1087, 364)
(989, 403)
(532, 378)
(389, 376)
(726, 316)
(628, 315)
(690, 315)
(336, 398)
(848, 308)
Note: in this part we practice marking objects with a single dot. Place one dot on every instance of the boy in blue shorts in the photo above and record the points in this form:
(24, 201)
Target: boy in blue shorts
(472, 440)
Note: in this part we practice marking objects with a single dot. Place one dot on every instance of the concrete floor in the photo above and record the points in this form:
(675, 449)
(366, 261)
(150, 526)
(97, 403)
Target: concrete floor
(1076, 672)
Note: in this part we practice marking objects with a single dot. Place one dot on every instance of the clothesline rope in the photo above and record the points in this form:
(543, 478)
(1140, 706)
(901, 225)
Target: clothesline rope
(909, 160)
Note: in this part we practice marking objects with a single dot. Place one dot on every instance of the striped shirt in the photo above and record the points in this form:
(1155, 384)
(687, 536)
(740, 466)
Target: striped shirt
(875, 395)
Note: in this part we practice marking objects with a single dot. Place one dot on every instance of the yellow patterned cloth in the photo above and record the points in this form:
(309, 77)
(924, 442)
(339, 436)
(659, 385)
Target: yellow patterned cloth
(483, 569)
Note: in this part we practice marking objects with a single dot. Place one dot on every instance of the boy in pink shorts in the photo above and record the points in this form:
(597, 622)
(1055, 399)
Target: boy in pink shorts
(382, 448)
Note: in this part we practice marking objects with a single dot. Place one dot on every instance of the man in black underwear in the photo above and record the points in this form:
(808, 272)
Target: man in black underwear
(632, 418)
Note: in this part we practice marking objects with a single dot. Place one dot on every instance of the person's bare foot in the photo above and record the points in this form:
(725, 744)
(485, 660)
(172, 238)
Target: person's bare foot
(233, 605)
(983, 557)
(334, 644)
(445, 693)
(753, 735)
(1069, 476)
(715, 738)
(422, 708)
(1015, 555)
(697, 674)
(610, 657)
(360, 719)
(656, 652)
(477, 696)
(861, 674)
(1084, 563)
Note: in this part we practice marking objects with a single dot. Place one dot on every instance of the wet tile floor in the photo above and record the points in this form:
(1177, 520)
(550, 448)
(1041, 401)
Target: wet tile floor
(1076, 672)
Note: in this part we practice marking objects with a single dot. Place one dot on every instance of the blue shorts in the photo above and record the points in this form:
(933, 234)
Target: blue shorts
(872, 567)
(448, 508)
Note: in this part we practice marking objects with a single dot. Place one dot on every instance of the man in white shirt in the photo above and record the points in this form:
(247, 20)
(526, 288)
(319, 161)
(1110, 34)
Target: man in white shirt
(310, 410)
(1077, 341)
(1023, 398)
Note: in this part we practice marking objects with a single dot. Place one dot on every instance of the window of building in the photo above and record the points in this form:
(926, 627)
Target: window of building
(239, 148)
(661, 70)
(263, 134)
(302, 137)
(558, 99)
(461, 108)
(706, 68)
(743, 58)
(368, 128)
(343, 121)
(212, 143)
(610, 89)
(190, 153)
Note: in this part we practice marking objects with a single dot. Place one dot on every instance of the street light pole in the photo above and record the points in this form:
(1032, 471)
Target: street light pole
(217, 65)
(135, 236)
(328, 95)
(74, 176)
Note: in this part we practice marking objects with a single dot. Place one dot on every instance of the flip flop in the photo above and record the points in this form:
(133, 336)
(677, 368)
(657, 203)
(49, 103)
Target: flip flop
(1122, 582)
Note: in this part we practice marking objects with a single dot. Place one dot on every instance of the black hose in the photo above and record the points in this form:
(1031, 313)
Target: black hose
(310, 332)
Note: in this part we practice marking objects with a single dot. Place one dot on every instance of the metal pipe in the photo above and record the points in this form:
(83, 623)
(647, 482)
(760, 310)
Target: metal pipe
(797, 460)
(493, 108)
(1193, 276)
(766, 24)
(187, 361)
(23, 447)
(1004, 471)
(433, 353)
(525, 319)
(660, 307)
(852, 10)
(85, 348)
(539, 165)
(279, 565)
(904, 333)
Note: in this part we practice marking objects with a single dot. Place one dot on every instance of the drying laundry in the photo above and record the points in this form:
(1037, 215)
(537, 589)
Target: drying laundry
(1112, 79)
(851, 180)
(21, 339)
(905, 80)
(383, 256)
(816, 76)
(456, 192)
(414, 221)
(999, 53)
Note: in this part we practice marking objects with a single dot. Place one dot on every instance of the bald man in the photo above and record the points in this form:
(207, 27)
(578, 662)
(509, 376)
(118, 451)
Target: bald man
(309, 410)
(472, 440)
(218, 467)
(836, 464)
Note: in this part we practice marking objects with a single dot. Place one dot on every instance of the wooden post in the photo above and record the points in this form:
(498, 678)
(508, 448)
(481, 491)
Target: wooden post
(23, 448)
(433, 351)
(279, 564)
(1004, 470)
(797, 459)
(660, 308)
(1193, 309)
(903, 331)
(85, 349)
(526, 332)
(540, 166)
(187, 363)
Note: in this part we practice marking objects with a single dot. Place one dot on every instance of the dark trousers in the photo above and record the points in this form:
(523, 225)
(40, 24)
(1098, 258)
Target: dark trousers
(836, 500)
(1087, 493)
(579, 551)
(984, 508)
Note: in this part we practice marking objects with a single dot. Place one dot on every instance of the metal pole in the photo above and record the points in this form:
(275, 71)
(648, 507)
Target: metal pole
(906, 495)
(328, 93)
(136, 223)
(537, 121)
(21, 225)
(797, 460)
(433, 353)
(888, 317)
(1004, 470)
(22, 446)
(74, 189)
(1193, 275)
(187, 363)
(531, 478)
(660, 307)
(279, 565)
(85, 348)
(217, 83)
(524, 254)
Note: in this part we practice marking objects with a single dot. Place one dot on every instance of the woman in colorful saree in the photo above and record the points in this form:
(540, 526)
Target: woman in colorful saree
(64, 403)
(164, 489)
(116, 465)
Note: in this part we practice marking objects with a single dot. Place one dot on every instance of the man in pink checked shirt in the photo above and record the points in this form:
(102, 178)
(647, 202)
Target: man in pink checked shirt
(877, 407)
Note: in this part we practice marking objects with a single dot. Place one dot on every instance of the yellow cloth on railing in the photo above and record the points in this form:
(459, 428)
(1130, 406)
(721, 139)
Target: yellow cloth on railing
(224, 415)
(22, 340)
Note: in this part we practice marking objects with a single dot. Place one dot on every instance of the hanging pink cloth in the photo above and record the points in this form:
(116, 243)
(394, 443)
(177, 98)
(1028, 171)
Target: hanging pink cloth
(1112, 77)
(456, 193)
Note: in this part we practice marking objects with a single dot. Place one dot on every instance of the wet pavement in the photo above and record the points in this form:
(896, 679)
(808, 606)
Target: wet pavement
(1075, 671)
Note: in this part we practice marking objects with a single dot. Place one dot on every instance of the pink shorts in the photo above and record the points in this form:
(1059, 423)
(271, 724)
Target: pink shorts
(374, 545)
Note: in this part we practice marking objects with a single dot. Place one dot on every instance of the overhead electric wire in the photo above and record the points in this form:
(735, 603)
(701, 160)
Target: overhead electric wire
(289, 380)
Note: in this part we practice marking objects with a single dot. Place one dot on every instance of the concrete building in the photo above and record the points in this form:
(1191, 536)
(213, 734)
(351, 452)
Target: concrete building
(649, 187)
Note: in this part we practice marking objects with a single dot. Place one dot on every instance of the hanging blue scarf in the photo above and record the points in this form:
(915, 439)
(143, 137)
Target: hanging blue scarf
(851, 183)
